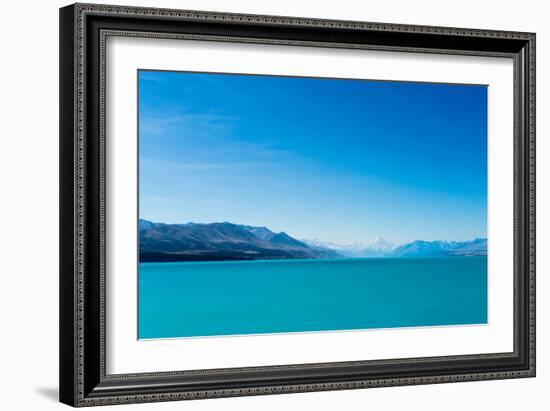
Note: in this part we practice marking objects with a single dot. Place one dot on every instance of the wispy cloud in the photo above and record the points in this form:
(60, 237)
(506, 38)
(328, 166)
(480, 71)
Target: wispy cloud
(159, 124)
(194, 165)
(257, 150)
(149, 76)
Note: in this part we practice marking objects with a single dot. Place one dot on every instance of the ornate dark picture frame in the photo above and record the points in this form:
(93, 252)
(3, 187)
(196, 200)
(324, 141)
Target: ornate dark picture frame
(83, 31)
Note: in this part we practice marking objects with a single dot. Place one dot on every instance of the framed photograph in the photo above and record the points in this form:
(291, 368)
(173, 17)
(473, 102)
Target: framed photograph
(260, 205)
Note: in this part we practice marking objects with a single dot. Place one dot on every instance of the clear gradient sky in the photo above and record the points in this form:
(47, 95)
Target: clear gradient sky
(335, 160)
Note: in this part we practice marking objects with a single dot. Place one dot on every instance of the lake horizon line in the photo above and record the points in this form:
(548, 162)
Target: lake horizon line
(320, 260)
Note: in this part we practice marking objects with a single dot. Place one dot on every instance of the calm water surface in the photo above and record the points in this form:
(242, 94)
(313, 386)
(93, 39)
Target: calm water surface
(253, 297)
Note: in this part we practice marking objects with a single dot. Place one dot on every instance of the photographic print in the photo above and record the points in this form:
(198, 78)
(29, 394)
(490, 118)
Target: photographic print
(278, 204)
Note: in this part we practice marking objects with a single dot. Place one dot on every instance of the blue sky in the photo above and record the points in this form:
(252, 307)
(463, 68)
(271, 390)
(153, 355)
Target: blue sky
(329, 159)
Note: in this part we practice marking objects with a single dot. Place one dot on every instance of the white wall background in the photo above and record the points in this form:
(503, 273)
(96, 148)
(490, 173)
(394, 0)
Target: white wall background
(29, 204)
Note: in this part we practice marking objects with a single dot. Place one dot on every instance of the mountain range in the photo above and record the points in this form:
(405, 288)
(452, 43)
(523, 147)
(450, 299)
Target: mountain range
(228, 241)
(421, 248)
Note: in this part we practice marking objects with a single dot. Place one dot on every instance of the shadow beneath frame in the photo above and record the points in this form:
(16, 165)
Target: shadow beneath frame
(50, 393)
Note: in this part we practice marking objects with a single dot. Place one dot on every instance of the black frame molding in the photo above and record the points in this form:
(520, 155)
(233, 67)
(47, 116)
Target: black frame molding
(84, 29)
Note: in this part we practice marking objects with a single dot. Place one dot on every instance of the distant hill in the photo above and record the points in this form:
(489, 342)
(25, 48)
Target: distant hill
(418, 248)
(421, 248)
(220, 241)
(379, 248)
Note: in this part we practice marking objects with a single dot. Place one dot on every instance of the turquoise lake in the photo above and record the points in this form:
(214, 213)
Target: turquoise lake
(191, 299)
